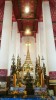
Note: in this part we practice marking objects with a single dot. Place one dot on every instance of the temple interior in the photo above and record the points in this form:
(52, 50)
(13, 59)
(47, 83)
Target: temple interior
(28, 48)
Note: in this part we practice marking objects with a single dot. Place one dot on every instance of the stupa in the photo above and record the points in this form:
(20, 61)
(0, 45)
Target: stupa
(28, 66)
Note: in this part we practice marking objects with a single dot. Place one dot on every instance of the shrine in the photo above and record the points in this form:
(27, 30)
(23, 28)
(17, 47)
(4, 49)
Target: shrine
(28, 82)
(28, 49)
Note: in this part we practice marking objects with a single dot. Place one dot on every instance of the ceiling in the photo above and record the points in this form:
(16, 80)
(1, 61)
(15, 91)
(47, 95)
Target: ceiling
(31, 19)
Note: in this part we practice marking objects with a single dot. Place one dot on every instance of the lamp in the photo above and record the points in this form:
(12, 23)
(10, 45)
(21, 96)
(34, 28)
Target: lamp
(27, 31)
(27, 9)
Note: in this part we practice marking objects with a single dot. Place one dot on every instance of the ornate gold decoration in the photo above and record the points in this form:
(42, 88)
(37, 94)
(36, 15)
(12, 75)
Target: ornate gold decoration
(28, 66)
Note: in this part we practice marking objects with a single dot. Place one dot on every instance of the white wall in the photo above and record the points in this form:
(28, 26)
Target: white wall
(32, 49)
(0, 48)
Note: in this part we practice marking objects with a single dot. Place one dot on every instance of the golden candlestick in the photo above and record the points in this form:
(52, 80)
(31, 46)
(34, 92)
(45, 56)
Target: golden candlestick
(42, 79)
